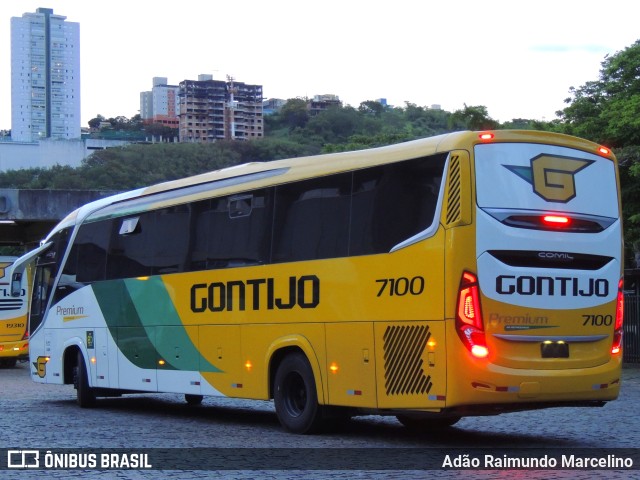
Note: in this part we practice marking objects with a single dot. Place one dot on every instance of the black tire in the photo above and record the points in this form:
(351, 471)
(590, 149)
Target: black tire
(8, 363)
(426, 424)
(193, 399)
(295, 395)
(85, 395)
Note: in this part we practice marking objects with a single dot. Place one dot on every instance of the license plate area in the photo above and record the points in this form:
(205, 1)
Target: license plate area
(551, 349)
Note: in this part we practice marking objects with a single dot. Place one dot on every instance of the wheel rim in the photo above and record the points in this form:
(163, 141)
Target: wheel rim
(295, 394)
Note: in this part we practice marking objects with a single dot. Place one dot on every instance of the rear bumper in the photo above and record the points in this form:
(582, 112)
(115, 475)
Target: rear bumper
(19, 350)
(484, 388)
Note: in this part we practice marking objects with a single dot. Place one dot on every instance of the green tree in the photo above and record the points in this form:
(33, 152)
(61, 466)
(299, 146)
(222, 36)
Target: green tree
(472, 118)
(294, 113)
(94, 123)
(607, 111)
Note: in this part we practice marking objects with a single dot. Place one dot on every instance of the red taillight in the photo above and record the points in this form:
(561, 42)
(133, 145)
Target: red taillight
(604, 151)
(616, 346)
(486, 136)
(469, 324)
(26, 335)
(556, 220)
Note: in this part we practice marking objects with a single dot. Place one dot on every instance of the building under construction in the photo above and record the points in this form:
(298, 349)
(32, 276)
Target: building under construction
(213, 110)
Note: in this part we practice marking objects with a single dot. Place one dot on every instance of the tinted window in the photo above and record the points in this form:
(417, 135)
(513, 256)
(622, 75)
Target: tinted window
(88, 257)
(232, 231)
(394, 202)
(364, 212)
(129, 252)
(312, 219)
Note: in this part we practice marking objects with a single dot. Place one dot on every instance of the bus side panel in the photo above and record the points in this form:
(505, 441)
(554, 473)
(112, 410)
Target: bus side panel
(351, 364)
(219, 345)
(261, 342)
(178, 370)
(412, 364)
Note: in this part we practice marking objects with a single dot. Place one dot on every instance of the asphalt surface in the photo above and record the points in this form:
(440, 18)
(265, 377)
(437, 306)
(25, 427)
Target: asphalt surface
(247, 434)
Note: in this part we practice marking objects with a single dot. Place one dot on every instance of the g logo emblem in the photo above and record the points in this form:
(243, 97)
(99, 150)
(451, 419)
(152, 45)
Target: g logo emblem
(3, 265)
(552, 176)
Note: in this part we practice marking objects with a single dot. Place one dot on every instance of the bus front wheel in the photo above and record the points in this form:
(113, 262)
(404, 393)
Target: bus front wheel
(295, 395)
(85, 395)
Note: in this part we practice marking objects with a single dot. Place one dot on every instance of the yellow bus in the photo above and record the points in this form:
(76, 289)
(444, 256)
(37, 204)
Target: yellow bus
(14, 339)
(471, 273)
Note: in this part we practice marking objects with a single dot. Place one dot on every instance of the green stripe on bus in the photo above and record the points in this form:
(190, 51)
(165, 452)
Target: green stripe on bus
(124, 324)
(146, 327)
(173, 343)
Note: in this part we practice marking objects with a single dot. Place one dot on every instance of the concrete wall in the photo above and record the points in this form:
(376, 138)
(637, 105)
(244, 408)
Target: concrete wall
(47, 153)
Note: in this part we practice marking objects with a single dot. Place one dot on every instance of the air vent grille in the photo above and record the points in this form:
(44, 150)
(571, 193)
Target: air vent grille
(453, 195)
(404, 346)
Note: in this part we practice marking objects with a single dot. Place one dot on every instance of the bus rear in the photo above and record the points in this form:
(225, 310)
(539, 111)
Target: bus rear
(540, 316)
(14, 342)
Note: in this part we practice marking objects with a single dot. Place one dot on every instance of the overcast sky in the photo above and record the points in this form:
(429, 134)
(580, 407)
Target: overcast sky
(518, 59)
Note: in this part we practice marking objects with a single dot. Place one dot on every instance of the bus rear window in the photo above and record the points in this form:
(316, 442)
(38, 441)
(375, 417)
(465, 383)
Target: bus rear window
(530, 177)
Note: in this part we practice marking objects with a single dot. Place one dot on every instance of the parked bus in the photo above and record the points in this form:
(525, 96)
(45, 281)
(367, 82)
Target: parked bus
(471, 273)
(14, 340)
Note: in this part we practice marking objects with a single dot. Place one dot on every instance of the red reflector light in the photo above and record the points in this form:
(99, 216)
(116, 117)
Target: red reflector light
(556, 220)
(616, 346)
(486, 136)
(620, 305)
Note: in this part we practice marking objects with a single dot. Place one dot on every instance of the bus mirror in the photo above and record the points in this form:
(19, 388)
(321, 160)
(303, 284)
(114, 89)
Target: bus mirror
(16, 284)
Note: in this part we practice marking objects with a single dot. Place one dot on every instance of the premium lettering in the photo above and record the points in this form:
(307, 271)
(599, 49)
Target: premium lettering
(255, 294)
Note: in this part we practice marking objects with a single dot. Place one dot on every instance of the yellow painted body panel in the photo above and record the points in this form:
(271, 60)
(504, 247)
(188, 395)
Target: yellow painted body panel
(353, 293)
(11, 332)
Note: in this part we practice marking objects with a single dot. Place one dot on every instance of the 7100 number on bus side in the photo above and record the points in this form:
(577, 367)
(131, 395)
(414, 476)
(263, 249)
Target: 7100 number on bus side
(400, 286)
(597, 320)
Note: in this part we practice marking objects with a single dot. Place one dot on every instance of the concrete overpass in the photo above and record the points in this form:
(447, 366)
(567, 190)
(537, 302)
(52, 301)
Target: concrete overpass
(26, 216)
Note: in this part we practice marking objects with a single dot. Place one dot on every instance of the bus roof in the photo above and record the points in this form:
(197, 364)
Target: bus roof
(326, 164)
(298, 168)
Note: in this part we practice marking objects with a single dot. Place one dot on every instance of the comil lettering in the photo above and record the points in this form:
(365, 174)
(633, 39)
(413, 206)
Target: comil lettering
(254, 294)
(555, 256)
(552, 286)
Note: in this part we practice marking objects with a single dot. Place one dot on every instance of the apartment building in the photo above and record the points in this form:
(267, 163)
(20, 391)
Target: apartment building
(161, 104)
(45, 77)
(213, 110)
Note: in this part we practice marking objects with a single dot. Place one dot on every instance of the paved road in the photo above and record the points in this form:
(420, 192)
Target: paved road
(46, 417)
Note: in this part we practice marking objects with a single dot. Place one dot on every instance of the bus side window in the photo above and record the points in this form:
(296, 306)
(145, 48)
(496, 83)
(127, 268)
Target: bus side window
(391, 203)
(232, 231)
(91, 245)
(168, 240)
(129, 249)
(312, 219)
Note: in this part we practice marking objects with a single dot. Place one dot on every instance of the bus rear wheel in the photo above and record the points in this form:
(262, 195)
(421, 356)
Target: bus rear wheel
(426, 424)
(192, 399)
(85, 395)
(295, 395)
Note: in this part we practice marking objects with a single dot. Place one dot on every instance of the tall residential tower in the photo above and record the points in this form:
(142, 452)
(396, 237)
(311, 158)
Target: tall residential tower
(45, 77)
